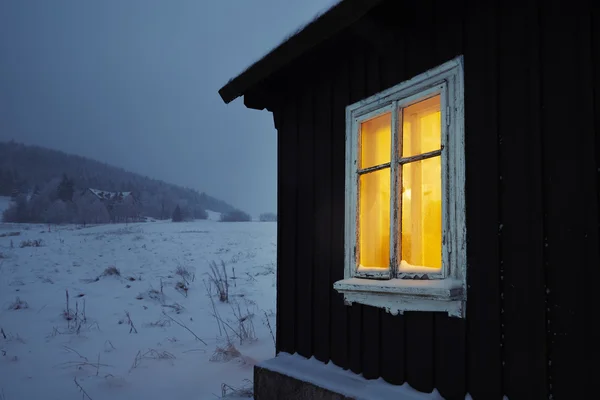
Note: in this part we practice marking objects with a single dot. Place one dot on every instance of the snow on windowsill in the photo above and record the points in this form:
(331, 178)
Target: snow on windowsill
(417, 269)
(399, 295)
(333, 378)
(448, 288)
(405, 268)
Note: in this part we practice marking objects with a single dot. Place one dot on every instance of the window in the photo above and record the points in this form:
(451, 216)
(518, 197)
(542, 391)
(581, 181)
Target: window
(405, 212)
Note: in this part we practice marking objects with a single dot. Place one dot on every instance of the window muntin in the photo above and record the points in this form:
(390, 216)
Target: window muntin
(399, 186)
(444, 290)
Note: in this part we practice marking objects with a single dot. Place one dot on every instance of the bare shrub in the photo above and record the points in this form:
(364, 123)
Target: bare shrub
(268, 217)
(151, 354)
(185, 274)
(160, 323)
(82, 390)
(227, 353)
(178, 308)
(111, 271)
(245, 391)
(18, 304)
(235, 216)
(219, 279)
(268, 323)
(46, 280)
(181, 324)
(130, 323)
(9, 234)
(9, 337)
(245, 325)
(82, 361)
(76, 318)
(242, 327)
(32, 243)
(182, 288)
(153, 294)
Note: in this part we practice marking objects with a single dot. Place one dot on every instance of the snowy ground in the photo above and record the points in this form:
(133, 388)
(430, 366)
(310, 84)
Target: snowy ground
(45, 355)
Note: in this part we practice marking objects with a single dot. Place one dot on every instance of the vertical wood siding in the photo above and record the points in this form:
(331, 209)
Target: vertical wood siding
(532, 90)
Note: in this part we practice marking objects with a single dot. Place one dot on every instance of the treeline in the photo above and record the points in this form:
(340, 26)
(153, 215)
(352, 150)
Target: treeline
(25, 170)
(59, 201)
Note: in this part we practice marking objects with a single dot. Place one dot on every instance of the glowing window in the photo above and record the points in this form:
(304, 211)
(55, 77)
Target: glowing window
(417, 198)
(405, 206)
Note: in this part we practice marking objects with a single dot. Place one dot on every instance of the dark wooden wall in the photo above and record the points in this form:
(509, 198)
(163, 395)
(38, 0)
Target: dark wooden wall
(532, 88)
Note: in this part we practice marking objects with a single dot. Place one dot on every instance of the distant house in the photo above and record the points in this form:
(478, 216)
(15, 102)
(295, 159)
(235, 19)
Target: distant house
(121, 206)
(438, 199)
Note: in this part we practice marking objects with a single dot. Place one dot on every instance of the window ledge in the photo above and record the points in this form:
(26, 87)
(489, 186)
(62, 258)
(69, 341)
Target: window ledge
(399, 295)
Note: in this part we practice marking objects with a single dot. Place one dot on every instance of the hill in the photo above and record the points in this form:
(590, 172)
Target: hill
(28, 169)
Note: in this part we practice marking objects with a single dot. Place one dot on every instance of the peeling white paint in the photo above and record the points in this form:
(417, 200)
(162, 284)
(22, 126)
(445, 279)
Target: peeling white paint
(402, 294)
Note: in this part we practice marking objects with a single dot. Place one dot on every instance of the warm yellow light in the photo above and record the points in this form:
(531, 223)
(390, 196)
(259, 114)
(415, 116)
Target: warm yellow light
(374, 189)
(421, 127)
(375, 141)
(421, 200)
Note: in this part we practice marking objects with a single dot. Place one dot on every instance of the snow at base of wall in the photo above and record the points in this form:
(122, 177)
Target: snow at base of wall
(331, 377)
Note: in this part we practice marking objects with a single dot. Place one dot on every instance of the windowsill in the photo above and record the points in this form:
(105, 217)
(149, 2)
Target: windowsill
(399, 295)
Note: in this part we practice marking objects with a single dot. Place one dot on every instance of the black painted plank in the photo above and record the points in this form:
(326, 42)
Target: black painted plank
(339, 313)
(448, 19)
(322, 175)
(450, 333)
(419, 327)
(358, 91)
(419, 31)
(450, 356)
(392, 348)
(305, 221)
(571, 195)
(591, 298)
(370, 342)
(392, 357)
(392, 62)
(355, 335)
(286, 228)
(521, 233)
(484, 364)
(419, 350)
(370, 318)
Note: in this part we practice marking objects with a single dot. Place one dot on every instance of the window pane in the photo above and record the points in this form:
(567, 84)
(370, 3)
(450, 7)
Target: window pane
(421, 230)
(422, 127)
(374, 219)
(375, 139)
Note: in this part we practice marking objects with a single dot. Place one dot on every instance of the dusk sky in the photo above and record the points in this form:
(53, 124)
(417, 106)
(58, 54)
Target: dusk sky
(134, 83)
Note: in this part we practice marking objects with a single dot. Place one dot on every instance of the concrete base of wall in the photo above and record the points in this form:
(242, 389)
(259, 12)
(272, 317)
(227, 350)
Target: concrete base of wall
(292, 377)
(273, 385)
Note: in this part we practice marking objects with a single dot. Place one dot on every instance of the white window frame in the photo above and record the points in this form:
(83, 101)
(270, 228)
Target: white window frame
(393, 289)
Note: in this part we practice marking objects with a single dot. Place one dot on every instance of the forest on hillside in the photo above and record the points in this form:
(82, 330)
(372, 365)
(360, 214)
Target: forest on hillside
(28, 170)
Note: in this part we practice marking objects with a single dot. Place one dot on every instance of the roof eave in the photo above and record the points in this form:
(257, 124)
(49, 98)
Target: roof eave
(321, 28)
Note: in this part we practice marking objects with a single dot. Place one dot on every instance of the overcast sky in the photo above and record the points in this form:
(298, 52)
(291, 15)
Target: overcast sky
(134, 83)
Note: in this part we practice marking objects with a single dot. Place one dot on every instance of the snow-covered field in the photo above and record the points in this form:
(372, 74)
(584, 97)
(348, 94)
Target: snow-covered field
(136, 335)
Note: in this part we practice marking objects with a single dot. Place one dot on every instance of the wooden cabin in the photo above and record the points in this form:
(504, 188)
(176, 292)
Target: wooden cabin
(438, 194)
